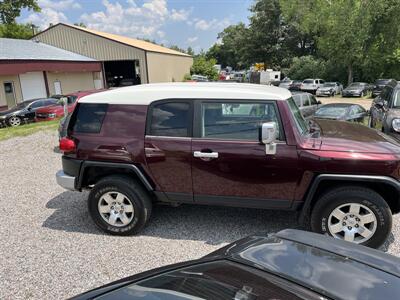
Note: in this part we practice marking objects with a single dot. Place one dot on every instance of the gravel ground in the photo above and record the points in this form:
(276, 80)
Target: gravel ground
(52, 250)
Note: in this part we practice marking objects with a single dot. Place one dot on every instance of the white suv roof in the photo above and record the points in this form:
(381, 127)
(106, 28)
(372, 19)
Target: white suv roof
(147, 93)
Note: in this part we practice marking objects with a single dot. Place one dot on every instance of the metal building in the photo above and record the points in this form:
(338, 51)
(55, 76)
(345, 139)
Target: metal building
(125, 61)
(30, 70)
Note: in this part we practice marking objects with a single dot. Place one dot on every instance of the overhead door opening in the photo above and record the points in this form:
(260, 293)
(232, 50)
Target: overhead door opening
(32, 85)
(122, 73)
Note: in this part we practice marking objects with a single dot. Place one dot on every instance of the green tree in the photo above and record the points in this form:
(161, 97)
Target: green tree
(17, 31)
(80, 24)
(203, 66)
(190, 51)
(359, 35)
(231, 51)
(11, 9)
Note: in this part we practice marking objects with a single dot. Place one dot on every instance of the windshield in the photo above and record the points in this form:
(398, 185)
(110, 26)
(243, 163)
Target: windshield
(308, 81)
(301, 124)
(382, 81)
(356, 84)
(329, 84)
(332, 111)
(23, 104)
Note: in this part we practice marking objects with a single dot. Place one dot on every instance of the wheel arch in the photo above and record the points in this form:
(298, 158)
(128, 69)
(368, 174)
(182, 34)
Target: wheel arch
(387, 187)
(92, 171)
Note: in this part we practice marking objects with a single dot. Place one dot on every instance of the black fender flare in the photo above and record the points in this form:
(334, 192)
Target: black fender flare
(130, 167)
(305, 210)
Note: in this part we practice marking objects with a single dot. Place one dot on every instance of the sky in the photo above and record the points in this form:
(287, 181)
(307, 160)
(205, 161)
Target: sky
(194, 23)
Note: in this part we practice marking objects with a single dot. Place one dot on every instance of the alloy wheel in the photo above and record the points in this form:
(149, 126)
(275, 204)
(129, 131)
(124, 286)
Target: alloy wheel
(14, 121)
(116, 209)
(353, 222)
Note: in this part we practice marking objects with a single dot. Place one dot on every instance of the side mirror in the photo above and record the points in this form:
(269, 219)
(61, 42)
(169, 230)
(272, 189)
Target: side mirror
(319, 102)
(379, 104)
(29, 108)
(267, 135)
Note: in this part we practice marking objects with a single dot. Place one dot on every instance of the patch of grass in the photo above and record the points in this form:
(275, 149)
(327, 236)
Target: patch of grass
(28, 129)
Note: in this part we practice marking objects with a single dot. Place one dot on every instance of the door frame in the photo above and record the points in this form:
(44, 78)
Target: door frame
(13, 89)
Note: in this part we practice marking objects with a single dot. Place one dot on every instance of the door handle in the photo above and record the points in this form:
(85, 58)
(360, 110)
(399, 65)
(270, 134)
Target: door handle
(205, 154)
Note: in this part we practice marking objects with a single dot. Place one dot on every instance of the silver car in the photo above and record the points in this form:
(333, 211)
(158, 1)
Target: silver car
(311, 85)
(330, 89)
(307, 103)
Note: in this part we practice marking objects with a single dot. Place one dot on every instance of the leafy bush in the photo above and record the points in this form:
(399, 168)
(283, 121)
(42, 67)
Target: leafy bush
(205, 67)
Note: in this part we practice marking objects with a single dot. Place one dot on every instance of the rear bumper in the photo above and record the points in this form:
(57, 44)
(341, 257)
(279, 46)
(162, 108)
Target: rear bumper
(65, 181)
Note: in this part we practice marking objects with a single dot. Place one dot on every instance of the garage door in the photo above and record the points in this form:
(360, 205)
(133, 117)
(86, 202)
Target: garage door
(32, 85)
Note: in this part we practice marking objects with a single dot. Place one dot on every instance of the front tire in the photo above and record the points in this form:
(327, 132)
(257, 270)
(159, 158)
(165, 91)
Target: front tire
(119, 205)
(355, 214)
(14, 121)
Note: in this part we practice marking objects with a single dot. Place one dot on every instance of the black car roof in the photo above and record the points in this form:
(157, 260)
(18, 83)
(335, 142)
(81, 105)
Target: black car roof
(332, 267)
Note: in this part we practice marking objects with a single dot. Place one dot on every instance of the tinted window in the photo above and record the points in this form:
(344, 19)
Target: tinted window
(170, 119)
(71, 99)
(233, 120)
(322, 81)
(308, 81)
(37, 104)
(50, 102)
(222, 280)
(88, 118)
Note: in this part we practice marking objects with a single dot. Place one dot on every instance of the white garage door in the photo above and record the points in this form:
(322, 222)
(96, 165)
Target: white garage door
(32, 85)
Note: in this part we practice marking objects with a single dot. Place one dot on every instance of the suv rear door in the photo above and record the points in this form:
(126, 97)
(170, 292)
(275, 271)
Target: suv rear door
(229, 165)
(168, 148)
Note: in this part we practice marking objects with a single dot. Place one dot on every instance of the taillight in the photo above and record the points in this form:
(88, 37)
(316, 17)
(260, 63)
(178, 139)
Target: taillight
(67, 145)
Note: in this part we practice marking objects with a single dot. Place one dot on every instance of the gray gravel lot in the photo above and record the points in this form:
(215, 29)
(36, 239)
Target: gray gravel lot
(50, 248)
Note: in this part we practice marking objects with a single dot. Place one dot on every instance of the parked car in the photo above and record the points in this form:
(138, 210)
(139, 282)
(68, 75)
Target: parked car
(200, 78)
(54, 111)
(285, 84)
(306, 102)
(225, 144)
(24, 112)
(379, 85)
(311, 85)
(330, 89)
(295, 85)
(343, 112)
(356, 89)
(385, 110)
(290, 264)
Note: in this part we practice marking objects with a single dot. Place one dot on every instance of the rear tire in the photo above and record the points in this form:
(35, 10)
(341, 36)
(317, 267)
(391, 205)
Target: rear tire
(119, 205)
(353, 213)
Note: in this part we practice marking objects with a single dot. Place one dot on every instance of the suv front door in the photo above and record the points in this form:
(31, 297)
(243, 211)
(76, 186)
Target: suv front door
(230, 166)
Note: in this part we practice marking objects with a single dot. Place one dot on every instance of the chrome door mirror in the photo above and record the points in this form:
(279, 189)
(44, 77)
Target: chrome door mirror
(268, 135)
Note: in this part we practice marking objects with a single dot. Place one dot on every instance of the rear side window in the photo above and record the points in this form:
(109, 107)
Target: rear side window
(88, 118)
(170, 119)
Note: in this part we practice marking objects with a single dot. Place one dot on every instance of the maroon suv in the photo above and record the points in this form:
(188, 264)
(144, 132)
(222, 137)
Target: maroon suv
(228, 144)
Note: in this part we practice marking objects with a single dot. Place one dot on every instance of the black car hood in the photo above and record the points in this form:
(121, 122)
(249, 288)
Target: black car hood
(12, 111)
